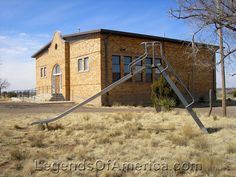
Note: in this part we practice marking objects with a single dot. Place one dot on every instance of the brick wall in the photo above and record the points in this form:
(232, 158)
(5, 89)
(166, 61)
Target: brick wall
(99, 48)
(86, 83)
(139, 92)
(49, 59)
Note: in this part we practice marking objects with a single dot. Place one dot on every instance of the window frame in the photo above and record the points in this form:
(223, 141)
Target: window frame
(43, 71)
(127, 65)
(141, 73)
(87, 59)
(156, 71)
(80, 65)
(115, 64)
(148, 69)
(82, 69)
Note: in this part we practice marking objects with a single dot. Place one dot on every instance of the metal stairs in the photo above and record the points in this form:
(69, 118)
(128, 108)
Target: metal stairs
(133, 70)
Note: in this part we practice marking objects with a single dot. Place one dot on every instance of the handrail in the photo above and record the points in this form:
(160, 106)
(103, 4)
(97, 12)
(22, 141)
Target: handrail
(137, 60)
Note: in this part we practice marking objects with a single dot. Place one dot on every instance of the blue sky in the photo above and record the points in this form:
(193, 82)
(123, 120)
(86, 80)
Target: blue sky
(27, 25)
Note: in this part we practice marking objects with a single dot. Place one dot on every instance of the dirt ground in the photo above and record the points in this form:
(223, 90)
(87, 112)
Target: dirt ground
(17, 108)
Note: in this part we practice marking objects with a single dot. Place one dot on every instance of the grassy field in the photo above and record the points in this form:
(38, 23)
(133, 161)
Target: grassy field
(153, 144)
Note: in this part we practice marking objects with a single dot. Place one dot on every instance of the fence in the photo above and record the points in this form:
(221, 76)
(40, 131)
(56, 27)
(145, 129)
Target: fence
(27, 93)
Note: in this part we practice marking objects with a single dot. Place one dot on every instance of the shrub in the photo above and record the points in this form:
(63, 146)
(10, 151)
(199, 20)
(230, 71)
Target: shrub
(11, 94)
(17, 155)
(162, 95)
(166, 103)
(234, 93)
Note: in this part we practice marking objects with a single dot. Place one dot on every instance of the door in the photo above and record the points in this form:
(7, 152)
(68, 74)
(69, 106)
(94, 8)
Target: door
(57, 84)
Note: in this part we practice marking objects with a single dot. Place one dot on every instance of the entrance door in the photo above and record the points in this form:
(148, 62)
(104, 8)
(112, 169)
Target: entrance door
(57, 84)
(56, 80)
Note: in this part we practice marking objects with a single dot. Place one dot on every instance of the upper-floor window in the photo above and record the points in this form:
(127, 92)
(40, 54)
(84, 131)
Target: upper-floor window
(115, 68)
(43, 72)
(86, 64)
(148, 70)
(83, 64)
(80, 64)
(138, 76)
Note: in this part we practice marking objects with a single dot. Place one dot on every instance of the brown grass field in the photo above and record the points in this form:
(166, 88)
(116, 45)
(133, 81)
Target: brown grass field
(153, 144)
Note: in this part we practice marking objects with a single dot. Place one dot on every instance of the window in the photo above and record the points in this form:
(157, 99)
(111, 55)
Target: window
(83, 64)
(55, 46)
(86, 64)
(127, 61)
(148, 70)
(56, 69)
(115, 68)
(138, 76)
(43, 71)
(80, 64)
(157, 72)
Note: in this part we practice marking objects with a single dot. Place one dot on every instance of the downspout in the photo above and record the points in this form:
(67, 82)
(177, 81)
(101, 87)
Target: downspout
(67, 67)
(106, 43)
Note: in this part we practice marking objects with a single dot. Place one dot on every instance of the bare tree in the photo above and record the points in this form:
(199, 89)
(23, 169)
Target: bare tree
(3, 85)
(217, 15)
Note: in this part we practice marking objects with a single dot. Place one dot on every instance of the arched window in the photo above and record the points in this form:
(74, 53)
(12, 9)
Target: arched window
(55, 46)
(56, 70)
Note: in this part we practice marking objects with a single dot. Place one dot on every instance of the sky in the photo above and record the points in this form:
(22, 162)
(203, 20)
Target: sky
(25, 26)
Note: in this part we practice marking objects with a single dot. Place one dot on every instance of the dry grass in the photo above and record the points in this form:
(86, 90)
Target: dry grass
(231, 148)
(16, 154)
(170, 137)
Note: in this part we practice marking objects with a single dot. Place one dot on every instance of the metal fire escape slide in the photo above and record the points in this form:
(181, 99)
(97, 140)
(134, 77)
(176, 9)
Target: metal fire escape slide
(133, 71)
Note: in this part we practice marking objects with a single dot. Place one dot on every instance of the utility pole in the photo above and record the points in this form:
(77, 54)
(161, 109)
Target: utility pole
(222, 73)
(220, 33)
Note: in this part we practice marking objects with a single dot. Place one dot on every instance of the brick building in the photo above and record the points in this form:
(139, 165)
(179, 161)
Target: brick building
(79, 65)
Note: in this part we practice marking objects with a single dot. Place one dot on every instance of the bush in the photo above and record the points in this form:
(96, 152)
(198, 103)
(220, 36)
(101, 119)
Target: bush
(11, 94)
(163, 97)
(234, 93)
(165, 103)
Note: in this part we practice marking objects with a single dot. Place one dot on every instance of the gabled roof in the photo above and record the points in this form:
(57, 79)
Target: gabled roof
(70, 37)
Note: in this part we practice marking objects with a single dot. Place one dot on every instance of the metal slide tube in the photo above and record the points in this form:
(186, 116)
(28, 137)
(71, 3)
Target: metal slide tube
(105, 90)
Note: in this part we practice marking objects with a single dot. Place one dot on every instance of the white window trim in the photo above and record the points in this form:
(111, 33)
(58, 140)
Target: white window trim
(42, 73)
(83, 64)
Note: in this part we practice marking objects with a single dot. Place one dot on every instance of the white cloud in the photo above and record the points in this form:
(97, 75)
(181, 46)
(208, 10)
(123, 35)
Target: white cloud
(17, 66)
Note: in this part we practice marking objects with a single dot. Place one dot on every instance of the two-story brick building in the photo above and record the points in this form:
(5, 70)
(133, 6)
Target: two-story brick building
(81, 64)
